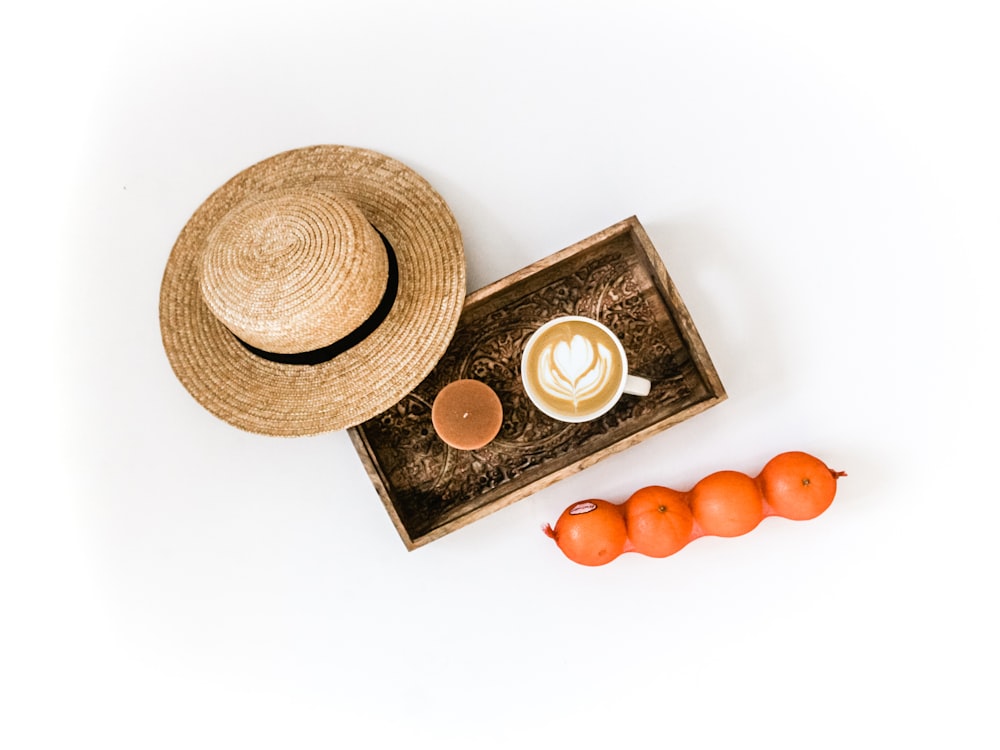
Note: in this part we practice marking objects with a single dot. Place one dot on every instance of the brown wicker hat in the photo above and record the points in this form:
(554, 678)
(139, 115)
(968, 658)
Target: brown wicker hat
(312, 291)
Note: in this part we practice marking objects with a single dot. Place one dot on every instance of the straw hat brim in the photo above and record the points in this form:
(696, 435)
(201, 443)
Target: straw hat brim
(261, 396)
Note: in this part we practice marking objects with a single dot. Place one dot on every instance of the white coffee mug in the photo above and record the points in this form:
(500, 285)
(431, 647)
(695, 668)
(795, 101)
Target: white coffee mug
(574, 369)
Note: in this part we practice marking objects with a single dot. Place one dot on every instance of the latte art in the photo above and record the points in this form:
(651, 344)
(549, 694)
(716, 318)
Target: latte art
(573, 369)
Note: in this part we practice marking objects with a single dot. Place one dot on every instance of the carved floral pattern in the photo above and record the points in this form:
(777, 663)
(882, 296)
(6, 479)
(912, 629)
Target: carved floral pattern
(431, 482)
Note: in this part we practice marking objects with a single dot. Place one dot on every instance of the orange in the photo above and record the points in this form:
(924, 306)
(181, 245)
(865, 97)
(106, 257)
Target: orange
(727, 503)
(658, 521)
(590, 532)
(797, 485)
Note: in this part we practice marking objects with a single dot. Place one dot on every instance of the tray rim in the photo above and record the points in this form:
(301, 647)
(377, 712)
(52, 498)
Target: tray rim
(693, 341)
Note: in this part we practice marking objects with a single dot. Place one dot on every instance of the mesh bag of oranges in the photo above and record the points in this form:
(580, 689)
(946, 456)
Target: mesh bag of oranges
(658, 521)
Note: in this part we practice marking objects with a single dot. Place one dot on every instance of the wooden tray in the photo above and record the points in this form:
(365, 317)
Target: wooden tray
(615, 276)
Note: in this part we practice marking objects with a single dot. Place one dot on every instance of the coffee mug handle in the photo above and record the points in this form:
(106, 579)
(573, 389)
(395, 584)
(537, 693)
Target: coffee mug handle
(637, 386)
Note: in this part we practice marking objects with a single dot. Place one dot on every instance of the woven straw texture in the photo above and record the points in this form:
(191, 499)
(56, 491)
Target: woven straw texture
(271, 398)
(294, 271)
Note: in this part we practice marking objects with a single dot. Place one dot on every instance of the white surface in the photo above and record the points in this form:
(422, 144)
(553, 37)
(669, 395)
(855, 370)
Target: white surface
(822, 186)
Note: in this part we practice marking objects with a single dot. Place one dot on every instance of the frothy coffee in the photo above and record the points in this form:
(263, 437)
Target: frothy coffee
(573, 370)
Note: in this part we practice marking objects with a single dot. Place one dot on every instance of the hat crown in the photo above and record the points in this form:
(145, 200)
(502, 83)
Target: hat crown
(294, 271)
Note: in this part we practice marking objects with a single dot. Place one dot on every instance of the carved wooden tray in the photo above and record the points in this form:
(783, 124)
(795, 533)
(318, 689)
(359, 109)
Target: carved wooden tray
(615, 276)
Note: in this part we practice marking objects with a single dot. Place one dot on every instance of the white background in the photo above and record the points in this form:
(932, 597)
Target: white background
(821, 180)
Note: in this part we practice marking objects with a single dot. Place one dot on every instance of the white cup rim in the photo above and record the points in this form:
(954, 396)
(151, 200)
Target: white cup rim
(619, 391)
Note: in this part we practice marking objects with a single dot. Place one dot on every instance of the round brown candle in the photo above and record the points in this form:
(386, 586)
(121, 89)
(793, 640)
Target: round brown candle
(467, 414)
